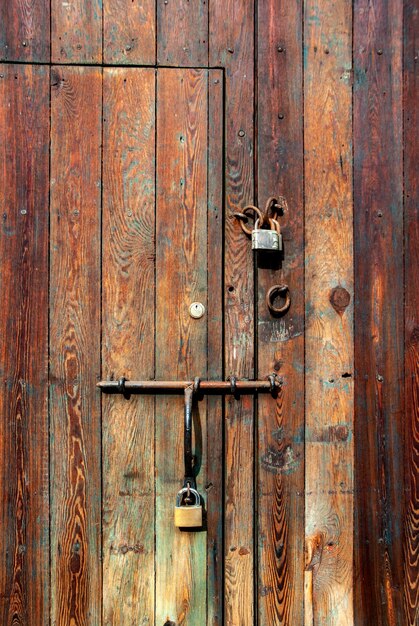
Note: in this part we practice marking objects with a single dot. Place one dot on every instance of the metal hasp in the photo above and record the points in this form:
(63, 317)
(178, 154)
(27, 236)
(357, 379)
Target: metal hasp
(188, 509)
(188, 455)
(231, 386)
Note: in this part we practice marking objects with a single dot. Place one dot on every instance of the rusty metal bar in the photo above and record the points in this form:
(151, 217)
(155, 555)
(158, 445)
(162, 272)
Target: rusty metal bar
(233, 386)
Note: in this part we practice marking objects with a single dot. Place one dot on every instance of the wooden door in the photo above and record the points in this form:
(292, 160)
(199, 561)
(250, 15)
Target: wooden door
(130, 133)
(136, 213)
(122, 281)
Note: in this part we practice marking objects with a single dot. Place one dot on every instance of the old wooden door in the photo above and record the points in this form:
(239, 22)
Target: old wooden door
(130, 133)
(136, 206)
(122, 281)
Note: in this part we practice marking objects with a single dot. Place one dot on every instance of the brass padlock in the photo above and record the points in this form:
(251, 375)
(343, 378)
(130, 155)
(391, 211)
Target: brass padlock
(267, 239)
(188, 515)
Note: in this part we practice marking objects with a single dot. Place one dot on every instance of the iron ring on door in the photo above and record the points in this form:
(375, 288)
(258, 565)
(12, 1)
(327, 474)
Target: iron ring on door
(274, 292)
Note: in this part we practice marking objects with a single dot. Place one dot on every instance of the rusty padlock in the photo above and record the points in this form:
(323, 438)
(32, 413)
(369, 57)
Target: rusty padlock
(267, 239)
(188, 515)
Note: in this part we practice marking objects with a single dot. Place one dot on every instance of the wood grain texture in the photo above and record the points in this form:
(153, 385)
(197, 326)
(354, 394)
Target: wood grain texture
(232, 46)
(76, 31)
(24, 31)
(24, 505)
(214, 486)
(182, 32)
(181, 342)
(128, 344)
(378, 224)
(411, 260)
(281, 340)
(329, 366)
(129, 31)
(75, 441)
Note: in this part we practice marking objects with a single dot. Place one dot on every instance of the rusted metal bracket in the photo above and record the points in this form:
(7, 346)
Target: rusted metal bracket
(232, 386)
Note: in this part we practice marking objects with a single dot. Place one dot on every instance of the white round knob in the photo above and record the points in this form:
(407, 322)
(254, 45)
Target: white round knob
(196, 310)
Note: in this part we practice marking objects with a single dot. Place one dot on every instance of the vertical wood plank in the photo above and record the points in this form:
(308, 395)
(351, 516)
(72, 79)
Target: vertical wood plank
(128, 345)
(232, 46)
(182, 28)
(181, 342)
(24, 506)
(75, 442)
(129, 31)
(25, 31)
(214, 487)
(329, 364)
(378, 223)
(76, 31)
(411, 259)
(281, 341)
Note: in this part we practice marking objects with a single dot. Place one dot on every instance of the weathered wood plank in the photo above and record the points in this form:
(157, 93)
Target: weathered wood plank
(329, 366)
(25, 31)
(181, 342)
(75, 346)
(232, 46)
(214, 487)
(281, 341)
(378, 228)
(129, 31)
(182, 32)
(76, 31)
(128, 344)
(24, 505)
(411, 259)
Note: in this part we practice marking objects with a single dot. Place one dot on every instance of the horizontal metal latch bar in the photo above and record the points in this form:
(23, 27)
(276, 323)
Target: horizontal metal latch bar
(233, 386)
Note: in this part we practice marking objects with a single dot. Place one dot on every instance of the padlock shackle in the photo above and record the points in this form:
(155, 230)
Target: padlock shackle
(188, 455)
(182, 492)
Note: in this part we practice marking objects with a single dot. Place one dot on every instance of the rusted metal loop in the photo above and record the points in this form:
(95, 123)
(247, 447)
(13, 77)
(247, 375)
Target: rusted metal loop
(241, 216)
(275, 291)
(274, 205)
(281, 206)
(272, 225)
(122, 389)
(233, 386)
(270, 203)
(197, 388)
(272, 382)
(275, 225)
(246, 210)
